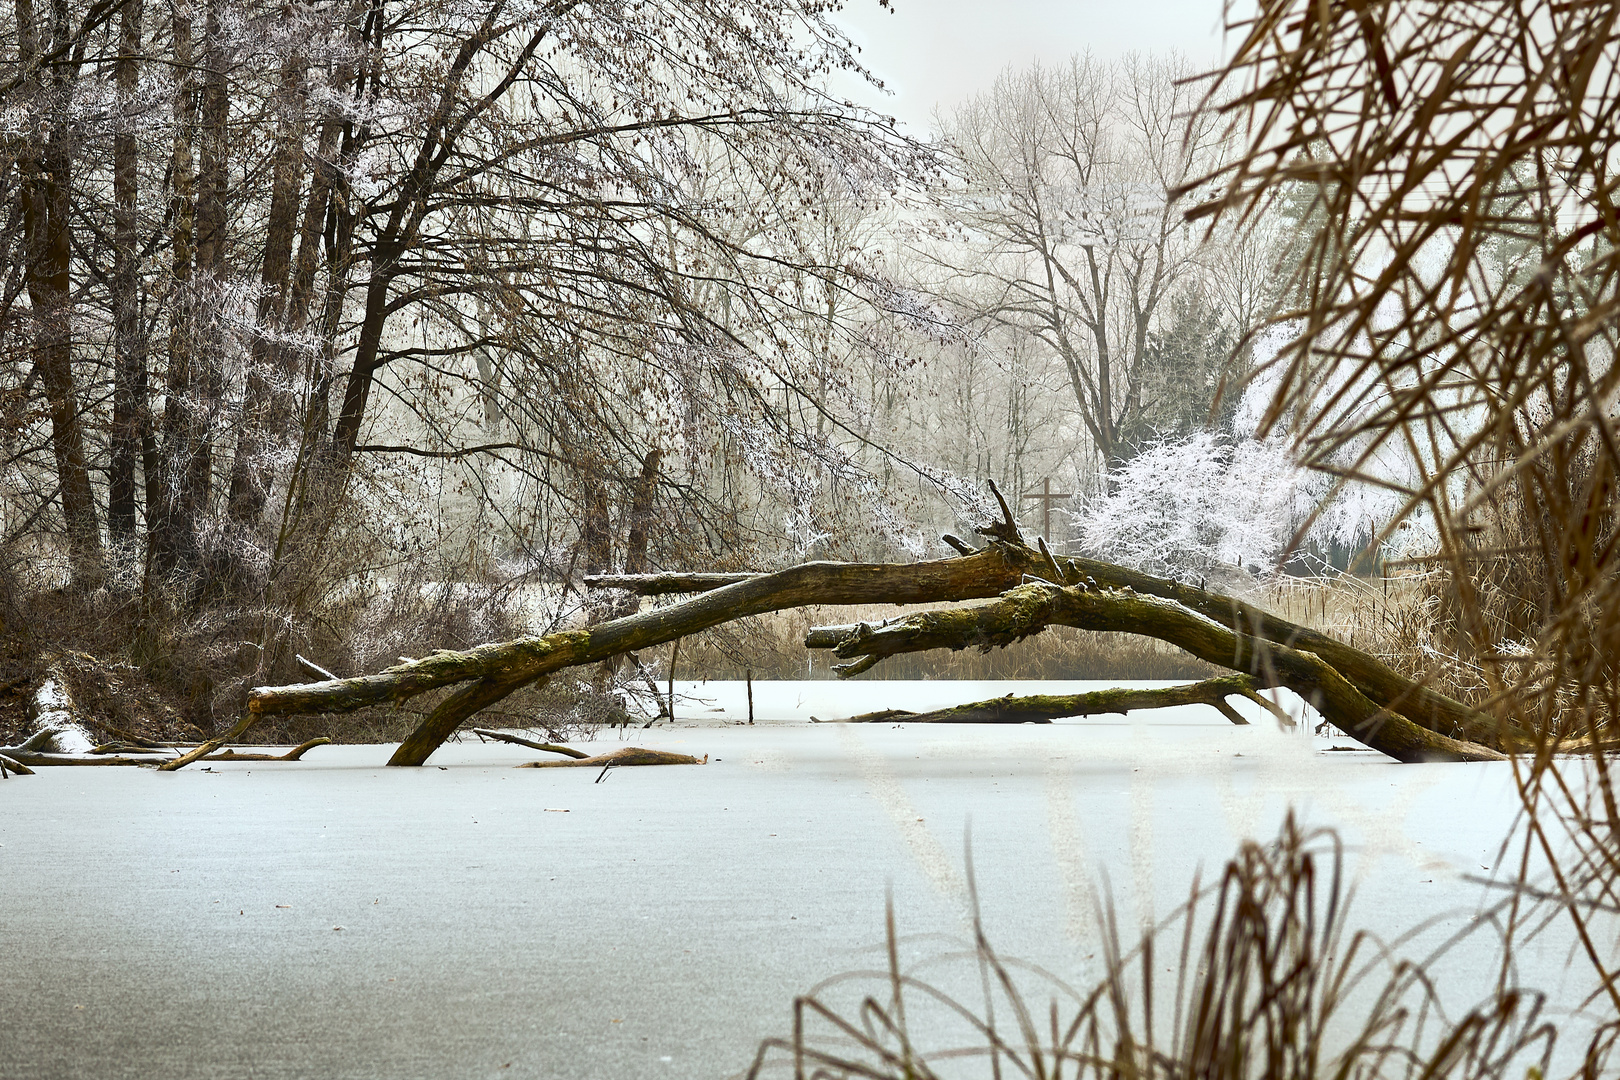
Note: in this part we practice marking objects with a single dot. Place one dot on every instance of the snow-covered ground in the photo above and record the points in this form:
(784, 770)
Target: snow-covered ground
(336, 918)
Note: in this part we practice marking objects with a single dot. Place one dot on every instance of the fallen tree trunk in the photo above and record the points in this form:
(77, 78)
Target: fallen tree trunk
(491, 672)
(664, 584)
(1044, 708)
(1029, 609)
(494, 671)
(1374, 678)
(620, 758)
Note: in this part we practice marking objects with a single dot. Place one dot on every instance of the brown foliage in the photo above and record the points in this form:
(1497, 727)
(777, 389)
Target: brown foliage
(1456, 302)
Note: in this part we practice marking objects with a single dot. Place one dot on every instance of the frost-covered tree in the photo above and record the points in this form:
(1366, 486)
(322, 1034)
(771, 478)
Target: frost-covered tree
(337, 231)
(1192, 505)
(1211, 503)
(1064, 224)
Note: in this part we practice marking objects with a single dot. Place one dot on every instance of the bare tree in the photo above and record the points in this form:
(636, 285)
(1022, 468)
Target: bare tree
(1070, 225)
(50, 53)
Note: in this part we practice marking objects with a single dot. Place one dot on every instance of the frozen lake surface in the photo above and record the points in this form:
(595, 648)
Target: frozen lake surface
(334, 918)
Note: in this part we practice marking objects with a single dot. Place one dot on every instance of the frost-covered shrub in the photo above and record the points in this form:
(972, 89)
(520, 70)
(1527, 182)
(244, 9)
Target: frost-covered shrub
(1190, 505)
(1208, 501)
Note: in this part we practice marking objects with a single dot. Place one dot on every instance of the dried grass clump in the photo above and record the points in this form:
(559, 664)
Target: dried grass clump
(1268, 982)
(1454, 299)
(1455, 304)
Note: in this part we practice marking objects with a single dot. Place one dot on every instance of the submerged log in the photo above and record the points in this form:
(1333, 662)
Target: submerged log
(294, 754)
(25, 757)
(163, 759)
(1044, 708)
(620, 758)
(12, 765)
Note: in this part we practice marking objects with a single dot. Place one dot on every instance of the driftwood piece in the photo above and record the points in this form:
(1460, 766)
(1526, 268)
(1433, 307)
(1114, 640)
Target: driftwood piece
(620, 758)
(12, 765)
(27, 757)
(292, 755)
(1044, 708)
(1031, 608)
(518, 740)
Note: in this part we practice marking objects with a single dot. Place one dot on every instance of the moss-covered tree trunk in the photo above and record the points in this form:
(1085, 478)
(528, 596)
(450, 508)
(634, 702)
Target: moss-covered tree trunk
(1354, 691)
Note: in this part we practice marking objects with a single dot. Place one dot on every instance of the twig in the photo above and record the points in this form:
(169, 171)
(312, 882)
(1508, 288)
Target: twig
(312, 668)
(292, 755)
(552, 748)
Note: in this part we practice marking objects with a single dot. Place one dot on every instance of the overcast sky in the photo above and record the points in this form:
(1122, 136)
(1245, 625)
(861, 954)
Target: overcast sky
(941, 51)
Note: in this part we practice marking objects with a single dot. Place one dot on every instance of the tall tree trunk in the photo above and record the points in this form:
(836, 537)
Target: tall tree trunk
(357, 390)
(129, 371)
(173, 536)
(641, 514)
(46, 167)
(266, 411)
(595, 533)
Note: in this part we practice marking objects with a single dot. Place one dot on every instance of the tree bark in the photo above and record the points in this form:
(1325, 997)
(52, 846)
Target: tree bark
(173, 535)
(265, 408)
(45, 162)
